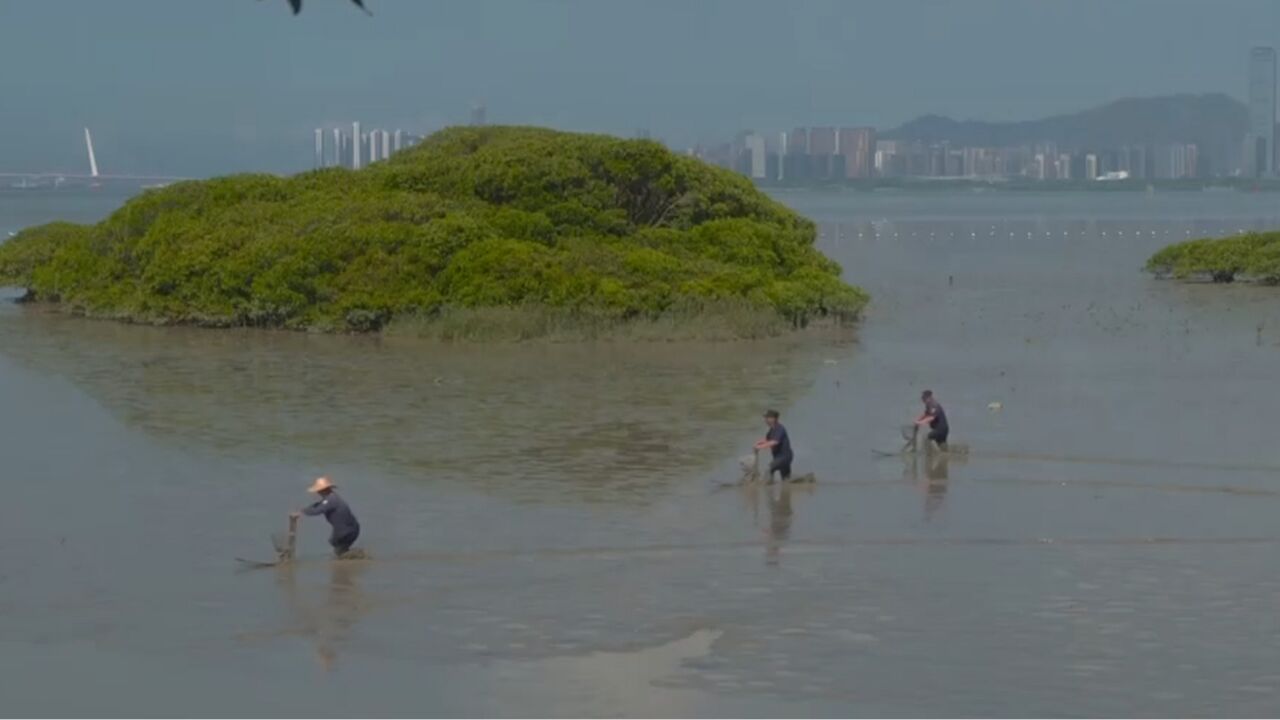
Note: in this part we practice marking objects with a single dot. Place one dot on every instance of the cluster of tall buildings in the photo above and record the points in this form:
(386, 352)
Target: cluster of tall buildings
(832, 154)
(839, 154)
(335, 147)
(813, 153)
(355, 149)
(1041, 161)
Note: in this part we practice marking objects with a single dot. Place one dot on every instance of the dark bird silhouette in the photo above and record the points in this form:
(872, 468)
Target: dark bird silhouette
(297, 6)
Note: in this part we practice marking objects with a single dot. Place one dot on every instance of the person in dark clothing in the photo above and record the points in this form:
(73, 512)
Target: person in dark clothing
(346, 529)
(936, 418)
(779, 443)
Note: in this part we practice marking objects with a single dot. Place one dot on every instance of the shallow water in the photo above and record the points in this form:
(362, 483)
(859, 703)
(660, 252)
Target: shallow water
(548, 531)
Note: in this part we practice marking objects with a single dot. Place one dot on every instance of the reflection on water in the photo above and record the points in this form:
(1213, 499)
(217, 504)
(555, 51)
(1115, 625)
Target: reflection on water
(321, 611)
(325, 618)
(601, 421)
(936, 466)
(775, 527)
(780, 517)
(550, 538)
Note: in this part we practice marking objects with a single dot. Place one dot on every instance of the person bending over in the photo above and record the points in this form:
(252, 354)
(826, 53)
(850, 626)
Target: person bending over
(936, 418)
(779, 444)
(346, 529)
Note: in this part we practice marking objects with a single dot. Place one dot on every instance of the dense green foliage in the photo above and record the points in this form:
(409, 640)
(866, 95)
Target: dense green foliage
(472, 218)
(1253, 257)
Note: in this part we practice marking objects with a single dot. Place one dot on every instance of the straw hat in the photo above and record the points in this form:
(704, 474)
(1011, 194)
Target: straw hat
(321, 483)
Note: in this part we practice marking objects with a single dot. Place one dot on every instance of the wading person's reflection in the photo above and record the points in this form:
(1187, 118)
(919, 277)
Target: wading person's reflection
(934, 483)
(329, 624)
(935, 490)
(780, 516)
(340, 613)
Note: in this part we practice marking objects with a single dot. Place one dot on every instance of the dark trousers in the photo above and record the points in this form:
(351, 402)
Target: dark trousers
(939, 435)
(781, 465)
(342, 543)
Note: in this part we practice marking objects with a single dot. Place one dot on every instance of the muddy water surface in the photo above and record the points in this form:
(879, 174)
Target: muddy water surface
(547, 524)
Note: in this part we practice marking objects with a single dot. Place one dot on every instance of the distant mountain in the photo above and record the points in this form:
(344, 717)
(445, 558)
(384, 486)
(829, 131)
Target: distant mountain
(1214, 121)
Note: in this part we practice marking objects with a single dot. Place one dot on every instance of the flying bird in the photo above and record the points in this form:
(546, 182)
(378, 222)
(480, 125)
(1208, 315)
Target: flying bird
(297, 6)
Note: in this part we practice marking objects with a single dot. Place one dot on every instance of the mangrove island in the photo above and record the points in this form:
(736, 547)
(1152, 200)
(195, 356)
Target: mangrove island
(477, 232)
(1248, 257)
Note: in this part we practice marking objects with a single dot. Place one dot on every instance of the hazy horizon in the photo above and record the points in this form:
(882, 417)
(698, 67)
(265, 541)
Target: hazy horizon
(216, 86)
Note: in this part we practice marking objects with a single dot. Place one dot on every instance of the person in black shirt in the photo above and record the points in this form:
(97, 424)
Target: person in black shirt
(779, 443)
(936, 418)
(346, 529)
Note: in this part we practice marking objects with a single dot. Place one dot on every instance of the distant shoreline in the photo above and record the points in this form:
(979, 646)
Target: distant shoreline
(719, 323)
(1016, 186)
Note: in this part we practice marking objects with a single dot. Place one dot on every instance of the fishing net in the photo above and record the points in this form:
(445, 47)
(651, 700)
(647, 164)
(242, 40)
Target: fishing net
(750, 467)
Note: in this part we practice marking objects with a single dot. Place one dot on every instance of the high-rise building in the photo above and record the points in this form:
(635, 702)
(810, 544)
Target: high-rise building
(798, 142)
(1260, 148)
(742, 160)
(398, 143)
(937, 159)
(375, 143)
(1038, 169)
(781, 173)
(386, 145)
(1175, 162)
(795, 162)
(1136, 161)
(1166, 162)
(754, 145)
(822, 141)
(319, 159)
(891, 158)
(857, 145)
(1090, 167)
(477, 114)
(356, 142)
(335, 158)
(1063, 169)
(822, 148)
(1179, 161)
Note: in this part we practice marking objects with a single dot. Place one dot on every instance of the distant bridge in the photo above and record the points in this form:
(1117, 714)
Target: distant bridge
(93, 176)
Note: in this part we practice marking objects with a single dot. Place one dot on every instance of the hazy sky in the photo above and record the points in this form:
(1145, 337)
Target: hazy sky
(204, 86)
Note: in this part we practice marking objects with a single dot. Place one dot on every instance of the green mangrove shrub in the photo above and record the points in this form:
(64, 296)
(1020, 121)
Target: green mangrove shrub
(472, 218)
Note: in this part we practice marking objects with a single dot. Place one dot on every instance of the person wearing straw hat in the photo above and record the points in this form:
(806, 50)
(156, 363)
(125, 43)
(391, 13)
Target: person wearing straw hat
(334, 509)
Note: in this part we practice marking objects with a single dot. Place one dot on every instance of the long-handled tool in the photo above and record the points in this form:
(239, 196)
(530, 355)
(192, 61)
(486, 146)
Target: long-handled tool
(749, 465)
(285, 550)
(910, 433)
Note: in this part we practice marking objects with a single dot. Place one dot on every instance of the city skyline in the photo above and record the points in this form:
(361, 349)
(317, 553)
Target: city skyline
(342, 150)
(834, 154)
(567, 64)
